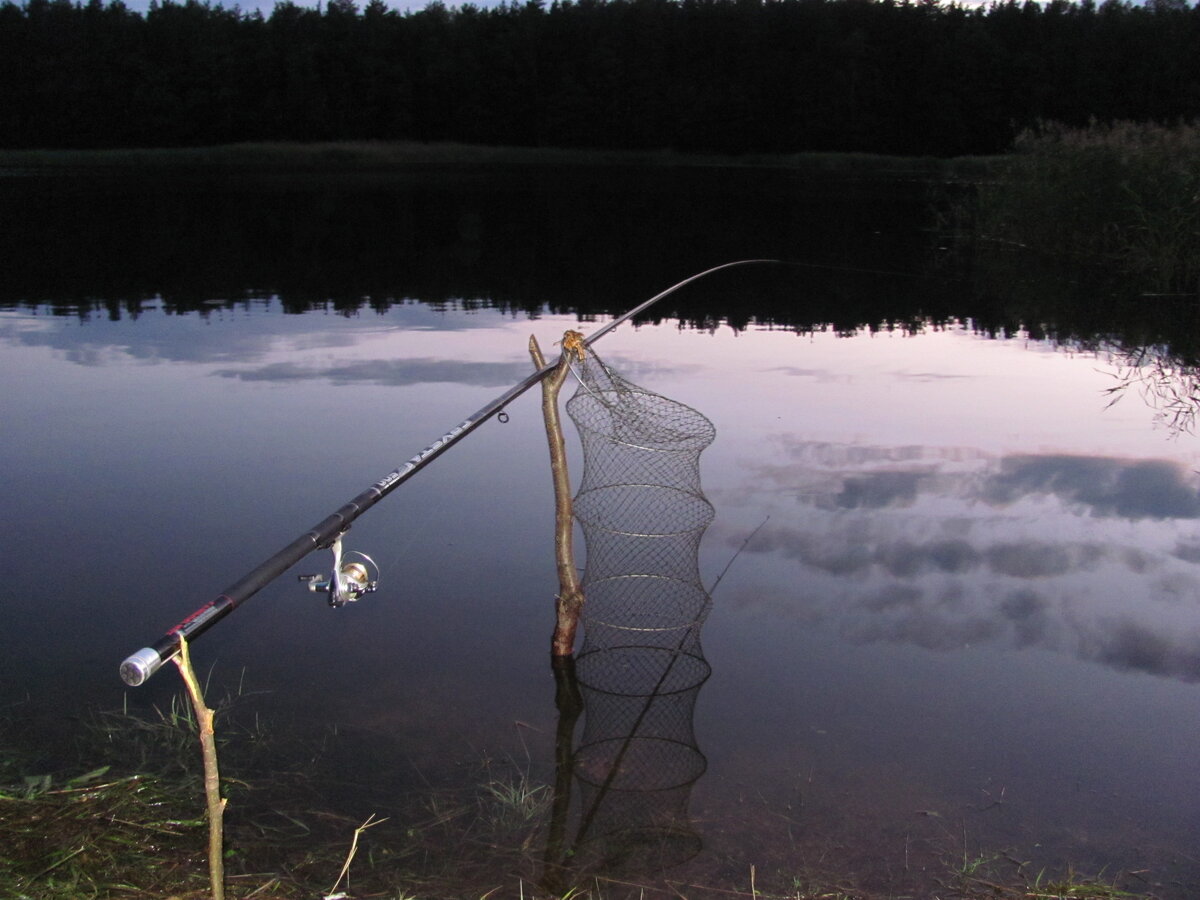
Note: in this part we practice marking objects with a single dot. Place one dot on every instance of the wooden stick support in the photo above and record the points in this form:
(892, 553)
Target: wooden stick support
(569, 602)
(212, 776)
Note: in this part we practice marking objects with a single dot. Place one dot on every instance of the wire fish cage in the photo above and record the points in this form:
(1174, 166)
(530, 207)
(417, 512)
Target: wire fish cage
(642, 510)
(641, 667)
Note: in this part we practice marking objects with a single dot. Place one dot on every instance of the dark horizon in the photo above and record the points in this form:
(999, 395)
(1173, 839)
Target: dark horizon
(723, 77)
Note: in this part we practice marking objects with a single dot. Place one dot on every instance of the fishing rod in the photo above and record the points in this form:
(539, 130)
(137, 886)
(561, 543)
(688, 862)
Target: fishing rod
(348, 581)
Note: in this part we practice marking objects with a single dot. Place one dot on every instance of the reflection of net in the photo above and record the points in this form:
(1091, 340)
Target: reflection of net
(643, 514)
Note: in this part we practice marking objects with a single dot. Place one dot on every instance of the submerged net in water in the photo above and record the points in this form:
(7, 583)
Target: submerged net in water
(640, 670)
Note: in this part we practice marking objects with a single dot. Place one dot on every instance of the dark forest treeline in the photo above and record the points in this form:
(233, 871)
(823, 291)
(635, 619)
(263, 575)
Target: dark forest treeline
(726, 76)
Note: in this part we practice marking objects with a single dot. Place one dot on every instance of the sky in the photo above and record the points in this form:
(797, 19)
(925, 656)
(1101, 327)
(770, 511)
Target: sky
(266, 6)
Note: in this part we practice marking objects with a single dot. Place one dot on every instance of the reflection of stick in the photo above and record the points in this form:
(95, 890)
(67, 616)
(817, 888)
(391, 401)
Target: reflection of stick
(212, 777)
(570, 704)
(569, 601)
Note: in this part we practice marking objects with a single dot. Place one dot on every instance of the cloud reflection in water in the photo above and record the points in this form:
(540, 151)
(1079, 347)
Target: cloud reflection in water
(942, 549)
(1131, 489)
(389, 372)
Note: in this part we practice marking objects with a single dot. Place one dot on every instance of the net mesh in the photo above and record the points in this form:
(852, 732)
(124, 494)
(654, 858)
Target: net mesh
(641, 666)
(642, 510)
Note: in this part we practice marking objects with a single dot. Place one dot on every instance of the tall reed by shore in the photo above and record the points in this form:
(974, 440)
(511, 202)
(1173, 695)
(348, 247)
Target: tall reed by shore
(1123, 195)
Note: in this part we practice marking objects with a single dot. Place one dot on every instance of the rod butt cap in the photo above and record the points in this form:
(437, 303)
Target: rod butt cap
(138, 668)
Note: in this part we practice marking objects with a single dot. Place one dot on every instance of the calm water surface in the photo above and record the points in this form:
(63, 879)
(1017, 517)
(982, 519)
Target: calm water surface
(967, 622)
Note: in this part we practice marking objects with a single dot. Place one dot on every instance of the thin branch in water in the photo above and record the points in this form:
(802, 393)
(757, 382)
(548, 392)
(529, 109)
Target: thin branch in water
(370, 823)
(738, 553)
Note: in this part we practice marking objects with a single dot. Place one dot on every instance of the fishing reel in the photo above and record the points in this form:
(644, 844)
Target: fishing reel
(348, 580)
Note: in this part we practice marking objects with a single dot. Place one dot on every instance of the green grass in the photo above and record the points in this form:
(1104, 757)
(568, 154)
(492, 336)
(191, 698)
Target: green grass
(516, 800)
(95, 836)
(98, 836)
(108, 832)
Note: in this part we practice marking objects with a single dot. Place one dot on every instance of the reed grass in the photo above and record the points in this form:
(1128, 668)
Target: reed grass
(1123, 196)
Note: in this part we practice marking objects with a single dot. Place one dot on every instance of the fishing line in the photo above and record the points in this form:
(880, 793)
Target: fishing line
(863, 270)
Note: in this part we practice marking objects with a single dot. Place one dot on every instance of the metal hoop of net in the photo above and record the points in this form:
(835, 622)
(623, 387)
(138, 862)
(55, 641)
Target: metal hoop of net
(643, 514)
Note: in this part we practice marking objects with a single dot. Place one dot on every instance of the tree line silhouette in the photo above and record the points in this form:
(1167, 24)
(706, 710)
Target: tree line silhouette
(729, 76)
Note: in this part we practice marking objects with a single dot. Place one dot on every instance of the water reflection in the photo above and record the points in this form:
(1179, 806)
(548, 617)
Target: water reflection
(241, 337)
(575, 239)
(955, 524)
(1168, 381)
(946, 549)
(389, 373)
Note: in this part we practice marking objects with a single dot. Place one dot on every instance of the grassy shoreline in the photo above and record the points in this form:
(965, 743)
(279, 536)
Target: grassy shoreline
(101, 836)
(138, 830)
(401, 156)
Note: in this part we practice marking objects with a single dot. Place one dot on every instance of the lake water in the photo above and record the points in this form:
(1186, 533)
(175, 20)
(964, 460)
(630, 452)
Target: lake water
(962, 618)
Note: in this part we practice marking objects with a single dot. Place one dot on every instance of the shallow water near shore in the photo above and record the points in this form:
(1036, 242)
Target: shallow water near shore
(962, 618)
